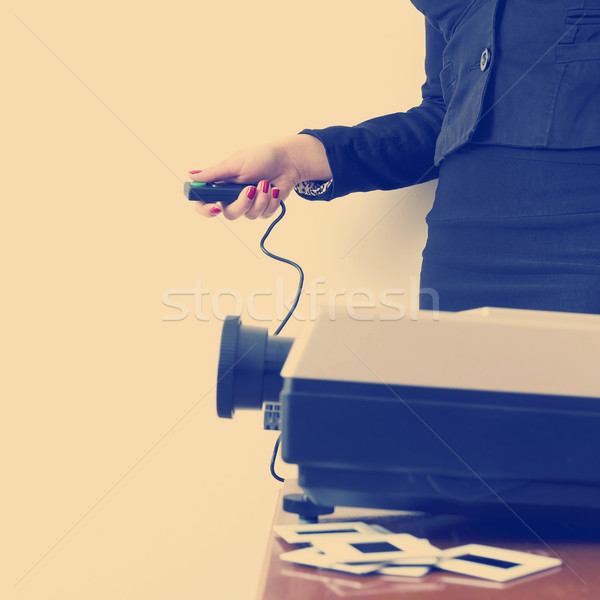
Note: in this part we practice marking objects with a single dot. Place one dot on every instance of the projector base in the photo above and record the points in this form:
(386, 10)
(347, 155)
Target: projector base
(307, 511)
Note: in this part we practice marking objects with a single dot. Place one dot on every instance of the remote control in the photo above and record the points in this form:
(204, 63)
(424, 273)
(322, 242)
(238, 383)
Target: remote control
(225, 193)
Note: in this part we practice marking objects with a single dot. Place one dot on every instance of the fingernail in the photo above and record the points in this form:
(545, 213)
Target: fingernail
(215, 210)
(252, 193)
(195, 172)
(275, 193)
(265, 187)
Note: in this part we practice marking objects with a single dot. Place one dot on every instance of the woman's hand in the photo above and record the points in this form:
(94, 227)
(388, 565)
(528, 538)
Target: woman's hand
(277, 166)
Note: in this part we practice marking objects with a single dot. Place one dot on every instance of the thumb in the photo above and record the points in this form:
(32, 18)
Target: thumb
(219, 172)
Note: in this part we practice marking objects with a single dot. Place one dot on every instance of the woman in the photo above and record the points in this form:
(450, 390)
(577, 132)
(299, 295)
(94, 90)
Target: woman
(510, 123)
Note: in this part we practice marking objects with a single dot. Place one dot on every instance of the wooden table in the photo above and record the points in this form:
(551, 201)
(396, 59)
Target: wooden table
(578, 577)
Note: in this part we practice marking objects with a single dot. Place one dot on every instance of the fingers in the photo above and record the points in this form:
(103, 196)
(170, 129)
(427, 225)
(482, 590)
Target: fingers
(273, 205)
(208, 210)
(263, 201)
(242, 205)
(232, 211)
(253, 202)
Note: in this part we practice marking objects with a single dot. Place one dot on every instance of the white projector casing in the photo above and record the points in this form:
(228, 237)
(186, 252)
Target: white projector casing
(445, 411)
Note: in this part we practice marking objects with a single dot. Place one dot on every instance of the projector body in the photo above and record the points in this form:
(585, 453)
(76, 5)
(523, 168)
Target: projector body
(445, 412)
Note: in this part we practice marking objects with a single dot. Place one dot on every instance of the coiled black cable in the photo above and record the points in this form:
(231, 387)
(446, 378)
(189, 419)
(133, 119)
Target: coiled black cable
(289, 314)
(287, 261)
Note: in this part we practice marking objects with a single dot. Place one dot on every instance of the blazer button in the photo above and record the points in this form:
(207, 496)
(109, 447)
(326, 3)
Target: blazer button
(484, 61)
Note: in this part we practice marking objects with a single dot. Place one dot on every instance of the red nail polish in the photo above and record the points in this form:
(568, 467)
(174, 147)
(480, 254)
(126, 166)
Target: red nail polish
(195, 172)
(275, 193)
(265, 187)
(252, 193)
(215, 210)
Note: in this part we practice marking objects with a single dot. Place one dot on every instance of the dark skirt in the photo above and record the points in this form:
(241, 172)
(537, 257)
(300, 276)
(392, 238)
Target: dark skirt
(516, 228)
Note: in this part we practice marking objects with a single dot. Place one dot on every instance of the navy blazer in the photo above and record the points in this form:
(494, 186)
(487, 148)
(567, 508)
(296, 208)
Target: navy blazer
(521, 73)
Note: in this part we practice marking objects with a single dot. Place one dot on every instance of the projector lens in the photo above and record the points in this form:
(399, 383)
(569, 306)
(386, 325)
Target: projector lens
(249, 365)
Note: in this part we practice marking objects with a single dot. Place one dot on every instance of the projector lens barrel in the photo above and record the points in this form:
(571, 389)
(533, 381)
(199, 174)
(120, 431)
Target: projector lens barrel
(249, 365)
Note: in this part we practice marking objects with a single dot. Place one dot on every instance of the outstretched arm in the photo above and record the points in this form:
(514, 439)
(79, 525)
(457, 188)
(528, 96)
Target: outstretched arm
(387, 152)
(391, 151)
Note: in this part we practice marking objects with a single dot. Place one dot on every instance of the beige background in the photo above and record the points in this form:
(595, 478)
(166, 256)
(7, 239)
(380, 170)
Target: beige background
(118, 479)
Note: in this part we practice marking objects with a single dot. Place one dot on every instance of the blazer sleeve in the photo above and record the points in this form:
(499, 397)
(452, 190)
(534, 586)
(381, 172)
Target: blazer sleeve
(391, 151)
